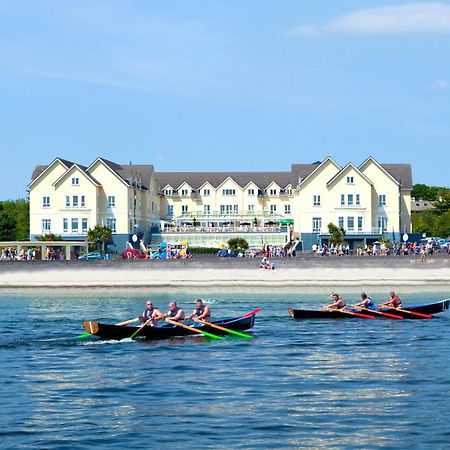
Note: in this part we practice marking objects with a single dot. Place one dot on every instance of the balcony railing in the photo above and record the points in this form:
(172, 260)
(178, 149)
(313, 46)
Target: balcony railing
(228, 215)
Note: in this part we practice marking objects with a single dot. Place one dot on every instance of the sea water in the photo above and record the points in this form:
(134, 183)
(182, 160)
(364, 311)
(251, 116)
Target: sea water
(351, 383)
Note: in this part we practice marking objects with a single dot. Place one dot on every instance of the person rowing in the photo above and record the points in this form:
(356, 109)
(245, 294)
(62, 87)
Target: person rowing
(394, 302)
(151, 313)
(366, 302)
(201, 311)
(175, 312)
(338, 302)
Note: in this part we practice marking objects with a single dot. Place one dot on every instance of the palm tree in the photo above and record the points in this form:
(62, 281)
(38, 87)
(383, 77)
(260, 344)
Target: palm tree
(100, 235)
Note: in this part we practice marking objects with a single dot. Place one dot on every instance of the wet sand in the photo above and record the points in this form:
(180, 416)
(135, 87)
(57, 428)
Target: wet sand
(208, 273)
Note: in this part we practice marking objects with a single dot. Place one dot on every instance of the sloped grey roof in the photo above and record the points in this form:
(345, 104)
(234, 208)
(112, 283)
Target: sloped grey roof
(197, 179)
(301, 171)
(130, 172)
(401, 172)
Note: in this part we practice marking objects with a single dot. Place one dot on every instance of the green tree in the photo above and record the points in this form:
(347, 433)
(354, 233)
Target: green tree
(49, 237)
(238, 244)
(337, 234)
(7, 228)
(101, 235)
(18, 212)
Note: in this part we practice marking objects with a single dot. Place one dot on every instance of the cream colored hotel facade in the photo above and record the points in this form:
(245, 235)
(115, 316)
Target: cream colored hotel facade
(369, 201)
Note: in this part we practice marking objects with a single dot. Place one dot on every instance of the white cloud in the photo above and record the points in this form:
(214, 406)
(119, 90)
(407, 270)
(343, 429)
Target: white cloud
(439, 86)
(402, 19)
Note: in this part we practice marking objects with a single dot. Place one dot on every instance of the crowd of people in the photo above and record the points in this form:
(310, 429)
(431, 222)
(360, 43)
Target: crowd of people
(21, 255)
(366, 302)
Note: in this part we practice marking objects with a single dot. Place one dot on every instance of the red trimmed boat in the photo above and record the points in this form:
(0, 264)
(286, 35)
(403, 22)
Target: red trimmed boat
(118, 332)
(407, 312)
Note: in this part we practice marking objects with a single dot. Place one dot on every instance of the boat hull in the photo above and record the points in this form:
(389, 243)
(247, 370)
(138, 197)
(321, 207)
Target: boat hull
(429, 308)
(166, 331)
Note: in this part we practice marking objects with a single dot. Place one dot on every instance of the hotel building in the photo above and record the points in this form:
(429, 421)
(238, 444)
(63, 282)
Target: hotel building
(369, 201)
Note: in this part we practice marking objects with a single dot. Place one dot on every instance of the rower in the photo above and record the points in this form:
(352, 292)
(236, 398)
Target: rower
(151, 313)
(202, 311)
(366, 302)
(175, 312)
(338, 302)
(394, 302)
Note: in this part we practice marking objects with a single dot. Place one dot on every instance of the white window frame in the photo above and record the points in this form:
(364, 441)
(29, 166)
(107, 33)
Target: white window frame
(75, 181)
(228, 192)
(206, 192)
(251, 208)
(65, 225)
(382, 224)
(250, 192)
(46, 201)
(382, 200)
(316, 224)
(185, 192)
(74, 221)
(46, 225)
(350, 200)
(342, 199)
(111, 201)
(82, 201)
(84, 224)
(67, 201)
(350, 180)
(357, 200)
(273, 208)
(170, 210)
(111, 223)
(75, 204)
(287, 209)
(206, 209)
(350, 223)
(184, 209)
(360, 223)
(316, 200)
(341, 221)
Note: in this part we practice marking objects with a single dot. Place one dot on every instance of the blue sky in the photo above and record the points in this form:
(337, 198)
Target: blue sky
(224, 85)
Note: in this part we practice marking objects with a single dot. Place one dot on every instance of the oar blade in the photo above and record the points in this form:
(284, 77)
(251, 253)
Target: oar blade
(238, 333)
(210, 335)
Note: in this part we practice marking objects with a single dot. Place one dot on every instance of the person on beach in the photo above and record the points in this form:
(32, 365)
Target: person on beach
(338, 302)
(175, 312)
(394, 302)
(151, 313)
(201, 311)
(366, 302)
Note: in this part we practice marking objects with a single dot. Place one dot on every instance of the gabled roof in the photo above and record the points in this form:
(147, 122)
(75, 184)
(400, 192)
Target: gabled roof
(215, 179)
(305, 171)
(82, 170)
(400, 173)
(39, 170)
(342, 172)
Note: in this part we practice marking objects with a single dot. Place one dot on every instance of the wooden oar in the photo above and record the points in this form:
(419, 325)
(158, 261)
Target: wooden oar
(392, 316)
(140, 328)
(126, 322)
(350, 313)
(196, 330)
(213, 325)
(413, 313)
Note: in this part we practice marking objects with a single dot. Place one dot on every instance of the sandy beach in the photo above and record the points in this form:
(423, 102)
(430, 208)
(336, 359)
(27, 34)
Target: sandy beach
(231, 274)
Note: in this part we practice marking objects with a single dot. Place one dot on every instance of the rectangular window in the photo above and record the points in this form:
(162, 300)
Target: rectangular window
(273, 192)
(75, 201)
(340, 222)
(67, 201)
(84, 224)
(83, 201)
(350, 223)
(65, 225)
(360, 223)
(382, 200)
(316, 200)
(251, 208)
(206, 192)
(170, 210)
(287, 209)
(273, 209)
(75, 181)
(251, 192)
(46, 202)
(316, 224)
(342, 200)
(168, 191)
(184, 209)
(111, 201)
(350, 180)
(228, 192)
(288, 191)
(46, 225)
(184, 191)
(206, 209)
(74, 225)
(111, 224)
(350, 199)
(357, 200)
(382, 223)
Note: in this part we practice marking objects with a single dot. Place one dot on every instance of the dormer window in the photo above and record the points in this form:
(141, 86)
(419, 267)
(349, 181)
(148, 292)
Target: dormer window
(184, 192)
(350, 180)
(75, 181)
(206, 192)
(229, 192)
(273, 192)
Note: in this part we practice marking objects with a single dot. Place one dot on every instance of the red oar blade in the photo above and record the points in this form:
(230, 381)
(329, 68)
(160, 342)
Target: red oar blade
(252, 313)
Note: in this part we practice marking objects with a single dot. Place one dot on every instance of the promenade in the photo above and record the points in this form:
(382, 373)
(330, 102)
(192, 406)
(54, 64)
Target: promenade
(209, 273)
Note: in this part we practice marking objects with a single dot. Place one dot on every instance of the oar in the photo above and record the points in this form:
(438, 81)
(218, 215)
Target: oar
(392, 316)
(126, 322)
(251, 313)
(140, 328)
(413, 313)
(351, 313)
(213, 325)
(196, 330)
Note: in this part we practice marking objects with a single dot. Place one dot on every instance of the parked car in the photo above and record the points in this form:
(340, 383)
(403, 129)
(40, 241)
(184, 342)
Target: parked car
(224, 253)
(91, 255)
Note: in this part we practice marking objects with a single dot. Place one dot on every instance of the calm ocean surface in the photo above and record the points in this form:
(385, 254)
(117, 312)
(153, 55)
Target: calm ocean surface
(298, 384)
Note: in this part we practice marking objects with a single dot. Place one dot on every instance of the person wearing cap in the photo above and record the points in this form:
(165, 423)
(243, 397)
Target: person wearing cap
(201, 311)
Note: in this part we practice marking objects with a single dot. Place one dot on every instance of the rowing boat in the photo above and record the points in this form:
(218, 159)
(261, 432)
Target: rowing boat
(165, 331)
(427, 308)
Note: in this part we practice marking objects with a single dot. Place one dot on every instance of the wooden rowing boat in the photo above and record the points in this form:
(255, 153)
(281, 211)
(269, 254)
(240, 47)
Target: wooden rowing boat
(428, 308)
(165, 331)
